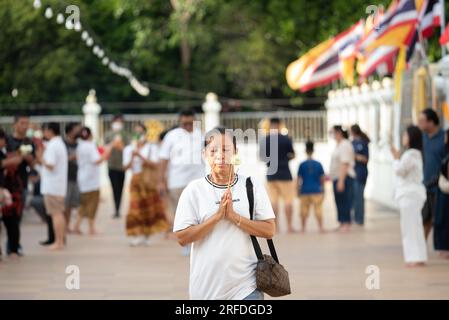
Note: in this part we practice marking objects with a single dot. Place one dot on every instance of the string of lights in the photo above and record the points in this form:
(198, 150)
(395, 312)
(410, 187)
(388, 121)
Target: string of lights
(91, 41)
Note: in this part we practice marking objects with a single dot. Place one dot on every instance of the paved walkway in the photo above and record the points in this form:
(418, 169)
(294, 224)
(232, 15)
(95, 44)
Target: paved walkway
(321, 266)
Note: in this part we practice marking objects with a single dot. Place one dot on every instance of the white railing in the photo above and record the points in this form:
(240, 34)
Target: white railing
(302, 125)
(6, 122)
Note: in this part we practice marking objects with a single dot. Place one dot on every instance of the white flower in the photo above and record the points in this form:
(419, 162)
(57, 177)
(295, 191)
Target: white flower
(235, 160)
(26, 149)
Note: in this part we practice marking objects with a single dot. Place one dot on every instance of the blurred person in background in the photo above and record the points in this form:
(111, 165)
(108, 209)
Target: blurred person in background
(88, 178)
(180, 160)
(342, 174)
(54, 162)
(72, 199)
(441, 222)
(116, 140)
(360, 142)
(5, 196)
(310, 188)
(280, 183)
(433, 149)
(38, 204)
(20, 153)
(146, 215)
(410, 194)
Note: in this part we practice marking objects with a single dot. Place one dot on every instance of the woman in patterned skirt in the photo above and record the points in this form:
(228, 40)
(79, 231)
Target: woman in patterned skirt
(146, 215)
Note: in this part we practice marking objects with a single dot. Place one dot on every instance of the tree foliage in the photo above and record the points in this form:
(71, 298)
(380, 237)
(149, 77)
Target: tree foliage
(236, 48)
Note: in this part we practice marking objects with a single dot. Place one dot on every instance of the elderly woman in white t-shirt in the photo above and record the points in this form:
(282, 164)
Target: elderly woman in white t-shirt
(342, 174)
(213, 216)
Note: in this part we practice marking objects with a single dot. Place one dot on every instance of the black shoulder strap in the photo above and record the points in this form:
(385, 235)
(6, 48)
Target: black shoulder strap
(250, 194)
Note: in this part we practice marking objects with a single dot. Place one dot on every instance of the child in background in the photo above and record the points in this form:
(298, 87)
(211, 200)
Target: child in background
(310, 188)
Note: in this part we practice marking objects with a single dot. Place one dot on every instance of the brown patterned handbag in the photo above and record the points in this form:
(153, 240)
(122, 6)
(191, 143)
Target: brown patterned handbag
(271, 277)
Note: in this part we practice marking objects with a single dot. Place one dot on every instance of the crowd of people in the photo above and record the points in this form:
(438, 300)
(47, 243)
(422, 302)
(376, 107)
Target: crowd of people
(421, 191)
(63, 171)
(348, 172)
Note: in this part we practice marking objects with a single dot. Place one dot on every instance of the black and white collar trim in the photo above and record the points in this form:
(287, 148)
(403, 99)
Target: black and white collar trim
(220, 186)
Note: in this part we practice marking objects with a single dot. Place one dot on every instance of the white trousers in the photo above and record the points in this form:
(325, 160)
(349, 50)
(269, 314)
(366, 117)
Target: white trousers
(413, 241)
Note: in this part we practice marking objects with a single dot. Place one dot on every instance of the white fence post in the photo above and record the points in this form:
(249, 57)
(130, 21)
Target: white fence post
(211, 108)
(91, 112)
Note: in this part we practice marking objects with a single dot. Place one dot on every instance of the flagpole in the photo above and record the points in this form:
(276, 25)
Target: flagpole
(443, 26)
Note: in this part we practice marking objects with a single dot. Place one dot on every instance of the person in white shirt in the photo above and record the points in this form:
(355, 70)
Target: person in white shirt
(410, 193)
(180, 160)
(146, 215)
(54, 161)
(342, 174)
(88, 178)
(213, 217)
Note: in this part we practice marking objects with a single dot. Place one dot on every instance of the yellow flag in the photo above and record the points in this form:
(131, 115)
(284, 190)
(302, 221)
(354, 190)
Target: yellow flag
(347, 70)
(400, 67)
(296, 69)
(396, 37)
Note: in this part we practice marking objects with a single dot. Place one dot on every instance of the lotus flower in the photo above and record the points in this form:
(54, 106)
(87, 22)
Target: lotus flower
(235, 161)
(25, 149)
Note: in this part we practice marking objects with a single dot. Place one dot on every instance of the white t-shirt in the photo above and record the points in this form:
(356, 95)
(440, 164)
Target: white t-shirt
(88, 171)
(223, 264)
(54, 182)
(183, 150)
(343, 154)
(148, 151)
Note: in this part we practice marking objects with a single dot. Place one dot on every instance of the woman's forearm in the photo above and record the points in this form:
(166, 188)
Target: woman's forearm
(127, 166)
(196, 232)
(343, 172)
(258, 228)
(362, 158)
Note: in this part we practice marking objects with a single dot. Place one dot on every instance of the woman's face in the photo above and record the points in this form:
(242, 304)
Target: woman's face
(48, 134)
(405, 139)
(336, 135)
(219, 152)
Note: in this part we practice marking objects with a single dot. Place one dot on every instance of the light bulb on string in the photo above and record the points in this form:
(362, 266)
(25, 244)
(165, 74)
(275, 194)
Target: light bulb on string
(105, 60)
(140, 88)
(60, 18)
(100, 54)
(84, 35)
(95, 50)
(48, 13)
(78, 26)
(37, 4)
(89, 42)
(69, 24)
(113, 67)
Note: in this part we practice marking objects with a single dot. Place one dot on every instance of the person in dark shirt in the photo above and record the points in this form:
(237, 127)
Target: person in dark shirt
(441, 222)
(276, 151)
(2, 179)
(116, 140)
(37, 203)
(433, 150)
(2, 156)
(72, 199)
(311, 188)
(22, 148)
(360, 143)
